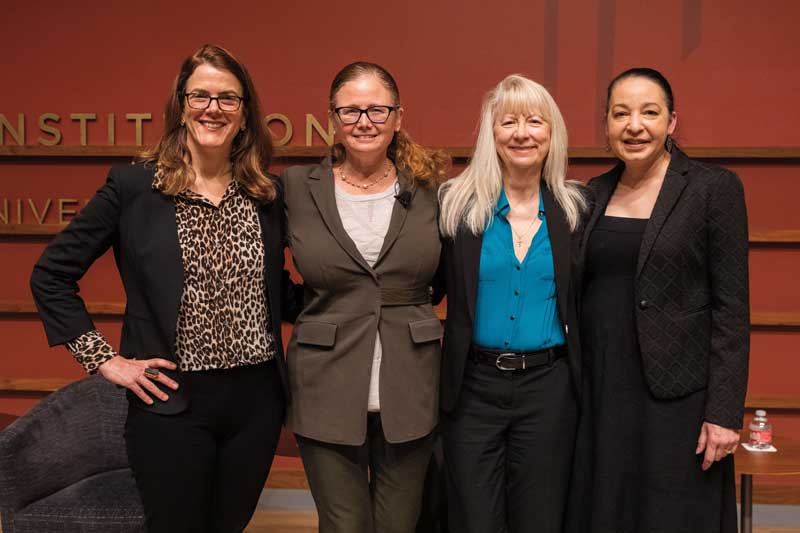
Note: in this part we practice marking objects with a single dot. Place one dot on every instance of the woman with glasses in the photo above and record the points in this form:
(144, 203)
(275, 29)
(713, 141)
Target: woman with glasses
(365, 351)
(196, 229)
(511, 355)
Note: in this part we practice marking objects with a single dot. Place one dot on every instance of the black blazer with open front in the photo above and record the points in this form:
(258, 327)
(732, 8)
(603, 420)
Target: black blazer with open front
(139, 223)
(692, 300)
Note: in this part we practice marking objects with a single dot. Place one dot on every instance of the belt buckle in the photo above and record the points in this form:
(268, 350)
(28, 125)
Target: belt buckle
(499, 362)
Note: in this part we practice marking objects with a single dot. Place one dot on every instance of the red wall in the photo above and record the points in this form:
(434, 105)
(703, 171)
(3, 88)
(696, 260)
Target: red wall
(733, 69)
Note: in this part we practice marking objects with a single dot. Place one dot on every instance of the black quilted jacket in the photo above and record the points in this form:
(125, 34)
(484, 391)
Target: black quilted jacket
(692, 302)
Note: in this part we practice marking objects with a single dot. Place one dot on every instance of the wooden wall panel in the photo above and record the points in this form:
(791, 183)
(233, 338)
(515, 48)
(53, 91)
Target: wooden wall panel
(775, 363)
(774, 282)
(26, 354)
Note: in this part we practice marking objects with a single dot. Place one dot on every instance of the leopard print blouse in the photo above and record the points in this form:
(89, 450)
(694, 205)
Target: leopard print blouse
(223, 320)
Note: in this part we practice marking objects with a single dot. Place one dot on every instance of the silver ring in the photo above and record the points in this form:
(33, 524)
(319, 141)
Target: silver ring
(151, 373)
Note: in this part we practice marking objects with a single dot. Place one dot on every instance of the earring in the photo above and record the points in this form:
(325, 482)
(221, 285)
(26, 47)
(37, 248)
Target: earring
(183, 122)
(607, 147)
(668, 143)
(242, 128)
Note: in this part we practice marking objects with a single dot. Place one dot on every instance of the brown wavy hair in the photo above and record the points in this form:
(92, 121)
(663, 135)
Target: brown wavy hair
(251, 153)
(425, 166)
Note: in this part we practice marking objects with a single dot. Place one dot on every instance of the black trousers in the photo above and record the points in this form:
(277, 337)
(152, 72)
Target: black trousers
(508, 448)
(203, 470)
(372, 488)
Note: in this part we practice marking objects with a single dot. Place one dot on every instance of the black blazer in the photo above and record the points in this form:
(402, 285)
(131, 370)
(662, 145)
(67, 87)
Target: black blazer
(461, 262)
(139, 223)
(692, 303)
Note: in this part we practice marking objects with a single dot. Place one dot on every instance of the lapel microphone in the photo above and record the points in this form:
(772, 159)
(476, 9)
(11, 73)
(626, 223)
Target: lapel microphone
(404, 197)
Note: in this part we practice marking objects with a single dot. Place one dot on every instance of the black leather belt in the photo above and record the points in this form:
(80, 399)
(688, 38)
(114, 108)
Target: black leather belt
(505, 360)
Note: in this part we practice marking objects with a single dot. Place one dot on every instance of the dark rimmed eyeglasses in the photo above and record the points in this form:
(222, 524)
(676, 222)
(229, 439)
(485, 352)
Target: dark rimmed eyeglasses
(226, 102)
(377, 114)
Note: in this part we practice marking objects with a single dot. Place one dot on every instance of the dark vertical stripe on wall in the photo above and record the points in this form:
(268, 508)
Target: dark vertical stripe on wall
(605, 60)
(550, 80)
(692, 26)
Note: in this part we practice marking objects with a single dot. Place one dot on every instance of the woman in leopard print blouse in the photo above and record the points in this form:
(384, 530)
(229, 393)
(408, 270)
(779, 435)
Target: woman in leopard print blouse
(196, 232)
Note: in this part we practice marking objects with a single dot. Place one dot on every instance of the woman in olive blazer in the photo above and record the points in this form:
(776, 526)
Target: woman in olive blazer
(346, 302)
(364, 355)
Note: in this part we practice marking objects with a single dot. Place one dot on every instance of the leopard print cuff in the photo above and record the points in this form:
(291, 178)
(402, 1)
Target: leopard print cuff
(91, 350)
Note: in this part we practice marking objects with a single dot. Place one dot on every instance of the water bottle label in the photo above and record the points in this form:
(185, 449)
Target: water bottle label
(761, 437)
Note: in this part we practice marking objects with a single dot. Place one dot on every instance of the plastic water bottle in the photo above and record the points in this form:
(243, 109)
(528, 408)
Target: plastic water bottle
(760, 431)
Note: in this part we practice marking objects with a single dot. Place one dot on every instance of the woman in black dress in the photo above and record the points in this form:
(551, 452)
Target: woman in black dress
(664, 326)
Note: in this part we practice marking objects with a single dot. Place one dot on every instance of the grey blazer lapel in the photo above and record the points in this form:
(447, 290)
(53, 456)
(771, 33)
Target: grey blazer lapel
(322, 189)
(399, 214)
(671, 189)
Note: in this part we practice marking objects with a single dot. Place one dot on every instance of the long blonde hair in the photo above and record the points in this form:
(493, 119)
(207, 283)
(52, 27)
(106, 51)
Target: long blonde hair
(469, 198)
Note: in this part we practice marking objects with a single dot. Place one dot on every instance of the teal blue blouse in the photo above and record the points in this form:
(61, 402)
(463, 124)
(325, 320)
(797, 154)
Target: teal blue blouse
(516, 307)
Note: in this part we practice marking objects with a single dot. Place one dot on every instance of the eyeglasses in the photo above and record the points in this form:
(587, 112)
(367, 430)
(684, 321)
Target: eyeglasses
(377, 114)
(226, 102)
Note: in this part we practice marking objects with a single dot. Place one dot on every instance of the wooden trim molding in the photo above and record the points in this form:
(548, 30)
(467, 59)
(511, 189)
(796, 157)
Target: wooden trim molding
(30, 230)
(17, 307)
(460, 152)
(66, 151)
(773, 401)
(36, 385)
(771, 319)
(785, 236)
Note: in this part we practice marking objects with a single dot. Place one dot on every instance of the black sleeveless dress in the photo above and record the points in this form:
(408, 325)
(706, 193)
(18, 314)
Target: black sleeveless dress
(646, 476)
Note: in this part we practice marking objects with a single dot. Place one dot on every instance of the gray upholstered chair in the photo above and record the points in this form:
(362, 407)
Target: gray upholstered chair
(63, 465)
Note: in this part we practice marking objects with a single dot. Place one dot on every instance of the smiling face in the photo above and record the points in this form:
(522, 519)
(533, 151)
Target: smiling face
(522, 140)
(638, 120)
(212, 129)
(364, 136)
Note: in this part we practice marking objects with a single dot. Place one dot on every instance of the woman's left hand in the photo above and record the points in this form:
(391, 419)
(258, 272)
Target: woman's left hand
(717, 441)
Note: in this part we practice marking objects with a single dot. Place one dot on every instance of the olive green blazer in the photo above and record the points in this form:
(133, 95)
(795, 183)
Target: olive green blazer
(346, 302)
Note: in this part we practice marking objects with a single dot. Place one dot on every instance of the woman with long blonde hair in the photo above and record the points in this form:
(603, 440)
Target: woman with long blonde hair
(511, 362)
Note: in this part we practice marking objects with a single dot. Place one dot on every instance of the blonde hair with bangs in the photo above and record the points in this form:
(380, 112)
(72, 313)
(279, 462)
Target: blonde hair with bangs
(469, 198)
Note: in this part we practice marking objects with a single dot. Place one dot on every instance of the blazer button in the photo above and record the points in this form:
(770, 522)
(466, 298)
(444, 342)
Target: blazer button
(644, 304)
